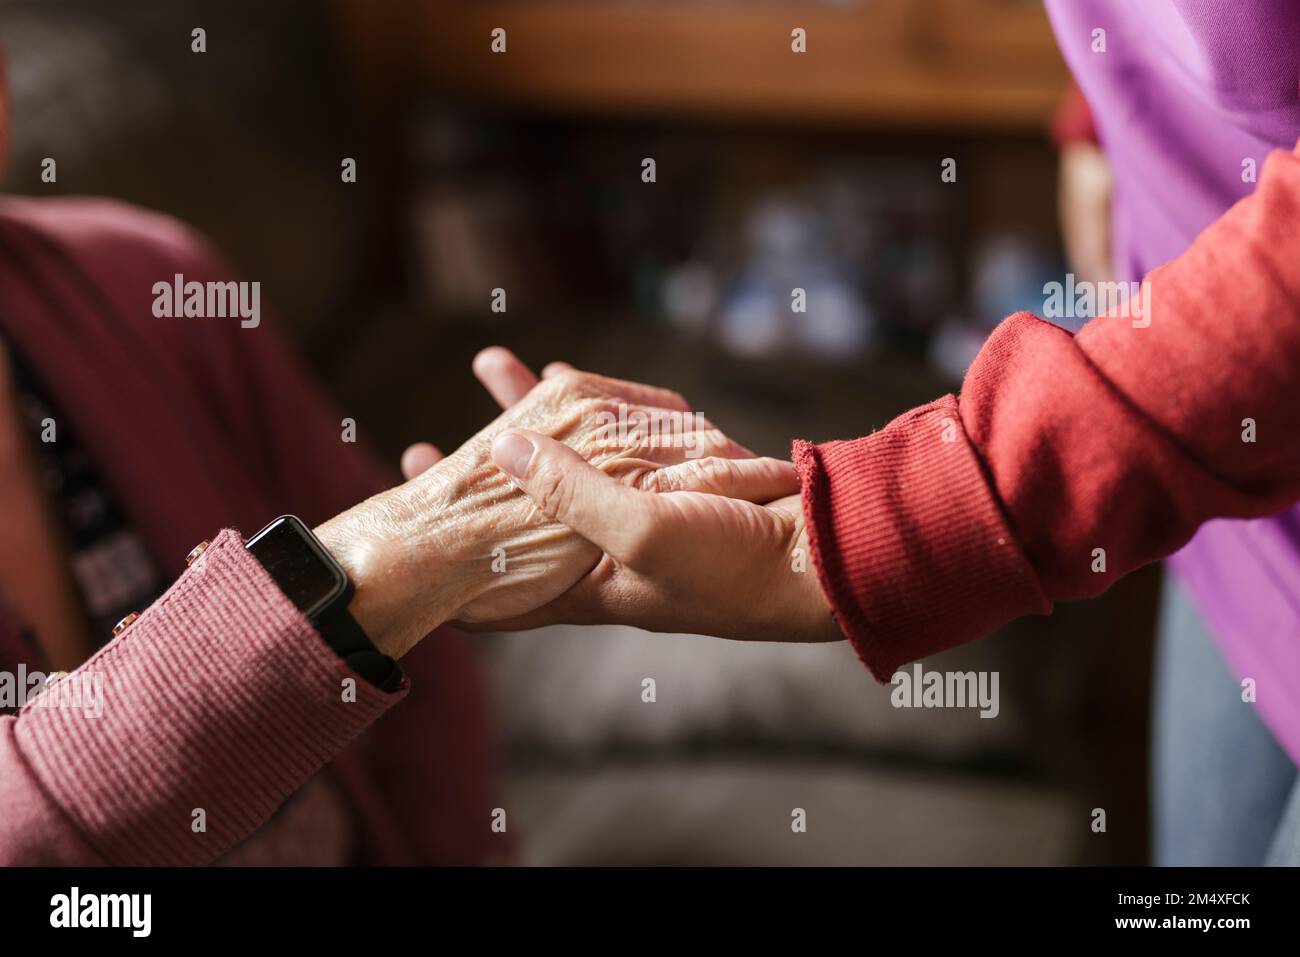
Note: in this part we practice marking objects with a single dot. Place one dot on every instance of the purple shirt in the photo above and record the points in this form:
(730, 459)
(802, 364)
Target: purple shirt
(1188, 99)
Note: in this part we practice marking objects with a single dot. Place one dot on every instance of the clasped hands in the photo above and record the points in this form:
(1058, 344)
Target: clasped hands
(558, 511)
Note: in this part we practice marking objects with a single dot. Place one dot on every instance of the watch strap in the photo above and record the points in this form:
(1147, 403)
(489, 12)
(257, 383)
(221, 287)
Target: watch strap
(342, 633)
(332, 620)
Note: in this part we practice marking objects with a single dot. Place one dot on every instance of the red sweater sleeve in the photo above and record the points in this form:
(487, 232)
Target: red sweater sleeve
(966, 513)
(1072, 122)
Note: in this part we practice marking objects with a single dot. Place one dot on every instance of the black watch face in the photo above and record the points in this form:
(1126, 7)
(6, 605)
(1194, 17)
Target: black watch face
(305, 572)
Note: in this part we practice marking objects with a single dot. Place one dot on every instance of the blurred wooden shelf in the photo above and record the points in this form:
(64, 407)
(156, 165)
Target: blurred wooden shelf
(930, 64)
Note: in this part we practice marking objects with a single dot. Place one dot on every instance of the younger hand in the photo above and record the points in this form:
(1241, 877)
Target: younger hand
(674, 560)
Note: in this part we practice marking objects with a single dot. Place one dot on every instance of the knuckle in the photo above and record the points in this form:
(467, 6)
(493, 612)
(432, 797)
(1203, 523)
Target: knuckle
(600, 411)
(553, 494)
(650, 480)
(712, 472)
(569, 380)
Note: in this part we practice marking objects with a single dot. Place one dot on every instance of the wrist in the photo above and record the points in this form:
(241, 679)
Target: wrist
(398, 553)
(810, 611)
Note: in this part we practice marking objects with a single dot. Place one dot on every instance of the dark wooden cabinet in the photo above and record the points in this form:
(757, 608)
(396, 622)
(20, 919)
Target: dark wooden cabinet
(935, 64)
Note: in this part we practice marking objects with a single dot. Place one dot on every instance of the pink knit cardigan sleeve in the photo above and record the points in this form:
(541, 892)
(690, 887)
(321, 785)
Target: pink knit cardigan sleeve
(217, 703)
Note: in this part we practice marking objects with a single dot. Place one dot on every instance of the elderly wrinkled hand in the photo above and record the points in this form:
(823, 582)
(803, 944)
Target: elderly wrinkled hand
(460, 541)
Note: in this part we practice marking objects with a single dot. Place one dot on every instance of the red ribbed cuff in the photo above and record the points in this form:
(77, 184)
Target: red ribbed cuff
(220, 698)
(911, 548)
(1073, 123)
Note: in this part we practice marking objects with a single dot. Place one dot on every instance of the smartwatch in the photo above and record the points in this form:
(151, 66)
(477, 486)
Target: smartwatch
(316, 583)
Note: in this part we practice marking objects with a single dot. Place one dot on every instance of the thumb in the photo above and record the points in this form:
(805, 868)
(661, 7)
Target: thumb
(612, 516)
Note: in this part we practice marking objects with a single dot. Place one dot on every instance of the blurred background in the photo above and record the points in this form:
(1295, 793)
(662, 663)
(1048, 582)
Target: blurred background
(523, 171)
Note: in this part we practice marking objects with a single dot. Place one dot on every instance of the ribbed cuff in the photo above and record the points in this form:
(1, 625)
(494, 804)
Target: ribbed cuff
(911, 548)
(218, 702)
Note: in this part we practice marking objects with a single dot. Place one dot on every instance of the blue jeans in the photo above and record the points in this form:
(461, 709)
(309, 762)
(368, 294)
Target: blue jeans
(1225, 792)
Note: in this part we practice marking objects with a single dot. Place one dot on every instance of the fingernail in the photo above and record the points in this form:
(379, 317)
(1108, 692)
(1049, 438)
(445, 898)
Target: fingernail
(512, 452)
